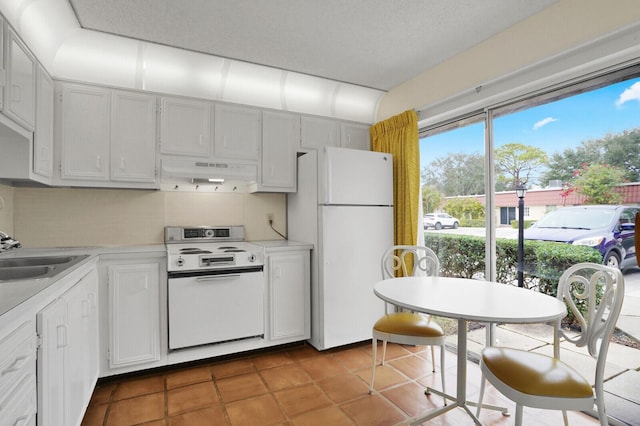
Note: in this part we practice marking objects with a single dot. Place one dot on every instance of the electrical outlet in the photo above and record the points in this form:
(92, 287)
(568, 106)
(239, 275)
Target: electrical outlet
(269, 218)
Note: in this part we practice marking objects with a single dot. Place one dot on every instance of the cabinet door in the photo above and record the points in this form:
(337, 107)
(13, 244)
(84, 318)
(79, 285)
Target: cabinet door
(134, 312)
(133, 137)
(185, 127)
(80, 349)
(355, 136)
(319, 132)
(238, 132)
(52, 363)
(289, 294)
(280, 138)
(85, 132)
(20, 94)
(43, 136)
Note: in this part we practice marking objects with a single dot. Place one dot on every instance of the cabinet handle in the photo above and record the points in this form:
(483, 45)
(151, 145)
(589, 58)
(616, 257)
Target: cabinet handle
(122, 163)
(98, 162)
(62, 335)
(200, 140)
(86, 307)
(22, 420)
(224, 141)
(16, 93)
(15, 365)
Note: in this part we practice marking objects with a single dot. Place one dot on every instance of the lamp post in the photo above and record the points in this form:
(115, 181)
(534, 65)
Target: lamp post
(521, 190)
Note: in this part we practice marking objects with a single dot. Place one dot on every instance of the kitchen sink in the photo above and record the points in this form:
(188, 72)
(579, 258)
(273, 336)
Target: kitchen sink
(37, 267)
(35, 261)
(24, 272)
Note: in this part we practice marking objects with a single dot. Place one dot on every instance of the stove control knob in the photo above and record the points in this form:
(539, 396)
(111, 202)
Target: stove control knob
(208, 233)
(252, 257)
(180, 261)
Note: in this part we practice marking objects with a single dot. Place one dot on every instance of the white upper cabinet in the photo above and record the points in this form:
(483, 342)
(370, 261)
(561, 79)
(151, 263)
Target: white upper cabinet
(107, 137)
(355, 136)
(84, 131)
(185, 127)
(20, 90)
(133, 137)
(319, 132)
(280, 139)
(43, 135)
(238, 133)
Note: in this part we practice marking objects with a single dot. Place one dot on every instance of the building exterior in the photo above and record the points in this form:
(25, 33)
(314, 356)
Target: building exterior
(540, 201)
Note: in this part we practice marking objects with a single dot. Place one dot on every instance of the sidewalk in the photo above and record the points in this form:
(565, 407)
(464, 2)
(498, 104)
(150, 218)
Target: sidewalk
(622, 373)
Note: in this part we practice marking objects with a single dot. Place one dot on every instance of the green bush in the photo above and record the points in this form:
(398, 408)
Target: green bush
(527, 223)
(472, 223)
(543, 261)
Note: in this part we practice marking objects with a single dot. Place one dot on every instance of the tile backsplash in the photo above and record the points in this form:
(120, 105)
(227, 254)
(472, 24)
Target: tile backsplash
(68, 217)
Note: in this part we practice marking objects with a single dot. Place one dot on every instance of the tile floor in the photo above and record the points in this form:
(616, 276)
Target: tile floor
(298, 386)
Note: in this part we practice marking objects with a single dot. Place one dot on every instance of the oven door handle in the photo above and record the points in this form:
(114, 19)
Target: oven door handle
(216, 277)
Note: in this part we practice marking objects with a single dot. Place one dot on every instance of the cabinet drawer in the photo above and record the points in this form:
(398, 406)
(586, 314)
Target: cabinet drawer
(21, 407)
(17, 357)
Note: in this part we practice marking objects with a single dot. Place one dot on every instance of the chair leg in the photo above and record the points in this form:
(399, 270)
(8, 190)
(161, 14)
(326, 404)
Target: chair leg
(483, 381)
(433, 359)
(384, 351)
(373, 364)
(565, 418)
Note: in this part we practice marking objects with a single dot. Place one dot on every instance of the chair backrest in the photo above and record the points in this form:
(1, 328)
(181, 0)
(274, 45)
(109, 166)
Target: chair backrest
(408, 261)
(594, 295)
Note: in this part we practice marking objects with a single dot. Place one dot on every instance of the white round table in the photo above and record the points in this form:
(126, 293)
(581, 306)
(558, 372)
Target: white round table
(465, 300)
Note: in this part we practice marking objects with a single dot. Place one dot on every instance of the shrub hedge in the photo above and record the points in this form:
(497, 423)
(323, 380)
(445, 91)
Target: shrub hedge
(544, 262)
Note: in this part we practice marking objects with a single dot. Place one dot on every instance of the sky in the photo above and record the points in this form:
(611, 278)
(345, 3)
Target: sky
(552, 127)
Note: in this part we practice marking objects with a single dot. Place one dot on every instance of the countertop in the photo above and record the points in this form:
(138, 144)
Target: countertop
(17, 292)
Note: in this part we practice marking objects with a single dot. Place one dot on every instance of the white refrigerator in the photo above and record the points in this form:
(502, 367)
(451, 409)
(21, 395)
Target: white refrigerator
(344, 207)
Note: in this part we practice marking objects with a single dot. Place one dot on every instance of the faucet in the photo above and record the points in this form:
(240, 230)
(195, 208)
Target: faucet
(8, 243)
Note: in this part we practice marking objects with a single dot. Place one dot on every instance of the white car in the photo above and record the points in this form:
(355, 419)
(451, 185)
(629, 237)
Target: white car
(440, 220)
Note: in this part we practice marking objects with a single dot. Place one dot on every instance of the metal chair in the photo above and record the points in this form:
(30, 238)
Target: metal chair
(408, 328)
(536, 380)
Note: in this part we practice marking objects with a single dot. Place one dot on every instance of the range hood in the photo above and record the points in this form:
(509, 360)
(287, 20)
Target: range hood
(202, 171)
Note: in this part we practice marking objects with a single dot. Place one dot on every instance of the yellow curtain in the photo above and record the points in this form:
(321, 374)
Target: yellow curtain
(398, 136)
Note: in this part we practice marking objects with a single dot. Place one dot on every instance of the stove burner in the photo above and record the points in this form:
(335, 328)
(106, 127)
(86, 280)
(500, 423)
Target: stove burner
(193, 250)
(228, 248)
(234, 250)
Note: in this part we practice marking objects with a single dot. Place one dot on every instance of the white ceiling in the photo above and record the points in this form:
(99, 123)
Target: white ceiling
(373, 43)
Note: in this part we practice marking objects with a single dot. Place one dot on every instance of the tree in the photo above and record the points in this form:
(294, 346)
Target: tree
(456, 174)
(431, 198)
(562, 166)
(466, 208)
(621, 150)
(597, 183)
(516, 163)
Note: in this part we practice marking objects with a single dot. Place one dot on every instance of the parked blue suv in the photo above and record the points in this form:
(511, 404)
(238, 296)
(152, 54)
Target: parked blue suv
(608, 228)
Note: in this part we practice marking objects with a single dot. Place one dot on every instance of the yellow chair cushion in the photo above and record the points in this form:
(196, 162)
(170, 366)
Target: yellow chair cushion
(408, 324)
(535, 374)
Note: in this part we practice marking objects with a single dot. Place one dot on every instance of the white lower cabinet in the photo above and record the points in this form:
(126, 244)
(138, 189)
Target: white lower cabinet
(68, 354)
(18, 375)
(289, 294)
(130, 332)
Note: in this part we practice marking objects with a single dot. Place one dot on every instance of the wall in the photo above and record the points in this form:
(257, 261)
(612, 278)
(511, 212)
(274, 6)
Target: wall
(557, 29)
(6, 209)
(67, 217)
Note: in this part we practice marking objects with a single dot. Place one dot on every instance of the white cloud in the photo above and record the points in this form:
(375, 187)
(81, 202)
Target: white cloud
(544, 122)
(630, 94)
